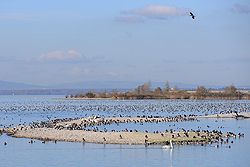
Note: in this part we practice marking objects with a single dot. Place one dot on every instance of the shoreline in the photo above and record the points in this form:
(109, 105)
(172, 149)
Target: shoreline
(130, 98)
(84, 98)
(128, 138)
(232, 115)
(68, 130)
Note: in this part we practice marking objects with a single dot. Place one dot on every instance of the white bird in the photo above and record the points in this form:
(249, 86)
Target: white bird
(168, 146)
(192, 15)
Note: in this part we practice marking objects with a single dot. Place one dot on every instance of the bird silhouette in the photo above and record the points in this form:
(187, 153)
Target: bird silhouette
(192, 15)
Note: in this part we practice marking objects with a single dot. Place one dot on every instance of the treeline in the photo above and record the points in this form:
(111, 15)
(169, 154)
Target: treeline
(144, 92)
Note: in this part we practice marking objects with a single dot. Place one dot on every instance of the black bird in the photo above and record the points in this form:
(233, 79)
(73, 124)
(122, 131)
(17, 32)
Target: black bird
(192, 15)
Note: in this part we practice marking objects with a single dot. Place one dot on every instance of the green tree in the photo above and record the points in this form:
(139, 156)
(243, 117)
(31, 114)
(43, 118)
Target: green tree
(167, 87)
(90, 94)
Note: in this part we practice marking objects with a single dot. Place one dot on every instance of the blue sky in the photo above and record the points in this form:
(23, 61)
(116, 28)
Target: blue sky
(61, 41)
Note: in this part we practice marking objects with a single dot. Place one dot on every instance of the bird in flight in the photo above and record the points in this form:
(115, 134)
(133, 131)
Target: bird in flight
(192, 15)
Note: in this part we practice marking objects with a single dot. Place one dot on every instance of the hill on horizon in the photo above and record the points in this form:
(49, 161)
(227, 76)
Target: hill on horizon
(4, 85)
(117, 85)
(101, 85)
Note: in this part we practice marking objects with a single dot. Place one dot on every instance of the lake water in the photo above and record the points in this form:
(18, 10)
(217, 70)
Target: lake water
(24, 109)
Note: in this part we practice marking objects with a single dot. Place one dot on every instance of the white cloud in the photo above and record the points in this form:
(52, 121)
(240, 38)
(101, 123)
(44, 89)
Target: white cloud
(112, 73)
(158, 11)
(240, 8)
(61, 56)
(76, 71)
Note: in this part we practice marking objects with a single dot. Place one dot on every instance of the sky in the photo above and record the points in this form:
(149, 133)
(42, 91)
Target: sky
(46, 42)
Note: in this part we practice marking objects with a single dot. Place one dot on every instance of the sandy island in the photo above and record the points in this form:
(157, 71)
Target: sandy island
(232, 115)
(76, 130)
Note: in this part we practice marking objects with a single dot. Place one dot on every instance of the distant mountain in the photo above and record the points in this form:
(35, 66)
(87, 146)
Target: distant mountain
(97, 85)
(104, 85)
(101, 85)
(126, 85)
(17, 86)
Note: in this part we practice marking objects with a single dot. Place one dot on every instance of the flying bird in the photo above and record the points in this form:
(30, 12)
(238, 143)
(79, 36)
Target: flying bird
(192, 15)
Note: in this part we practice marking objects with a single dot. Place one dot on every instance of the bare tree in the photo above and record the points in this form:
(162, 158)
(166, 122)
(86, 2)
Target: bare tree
(114, 92)
(201, 90)
(176, 88)
(149, 84)
(230, 89)
(143, 89)
(158, 91)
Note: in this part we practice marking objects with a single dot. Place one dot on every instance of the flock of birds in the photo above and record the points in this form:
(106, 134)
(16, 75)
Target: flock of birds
(50, 109)
(22, 112)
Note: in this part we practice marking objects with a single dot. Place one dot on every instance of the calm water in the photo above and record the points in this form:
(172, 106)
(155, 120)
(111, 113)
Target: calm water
(24, 109)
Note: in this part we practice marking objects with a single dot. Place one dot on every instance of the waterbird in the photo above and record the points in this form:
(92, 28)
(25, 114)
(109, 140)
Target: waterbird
(192, 15)
(168, 146)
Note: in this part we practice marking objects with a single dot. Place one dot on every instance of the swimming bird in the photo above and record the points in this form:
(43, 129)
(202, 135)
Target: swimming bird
(192, 15)
(168, 146)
